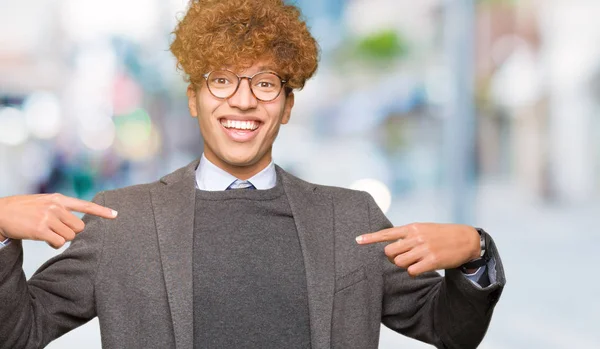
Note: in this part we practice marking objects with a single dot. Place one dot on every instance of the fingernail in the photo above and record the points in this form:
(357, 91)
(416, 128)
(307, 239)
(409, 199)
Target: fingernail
(359, 239)
(114, 213)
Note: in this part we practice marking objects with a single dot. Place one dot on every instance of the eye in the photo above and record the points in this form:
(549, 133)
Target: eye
(265, 84)
(221, 81)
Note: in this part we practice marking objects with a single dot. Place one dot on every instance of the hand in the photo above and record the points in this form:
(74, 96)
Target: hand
(45, 217)
(423, 247)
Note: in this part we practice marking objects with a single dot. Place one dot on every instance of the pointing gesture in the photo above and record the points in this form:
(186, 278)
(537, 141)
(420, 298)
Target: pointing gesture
(46, 217)
(423, 247)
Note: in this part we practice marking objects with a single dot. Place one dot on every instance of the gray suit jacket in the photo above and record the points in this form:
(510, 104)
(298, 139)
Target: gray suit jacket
(135, 274)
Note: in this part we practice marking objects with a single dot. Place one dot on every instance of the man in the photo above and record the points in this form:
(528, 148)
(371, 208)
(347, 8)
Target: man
(231, 250)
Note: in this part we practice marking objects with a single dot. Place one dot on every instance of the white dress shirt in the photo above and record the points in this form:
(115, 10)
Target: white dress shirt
(210, 177)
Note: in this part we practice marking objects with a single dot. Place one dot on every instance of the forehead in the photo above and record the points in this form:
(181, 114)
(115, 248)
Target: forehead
(251, 68)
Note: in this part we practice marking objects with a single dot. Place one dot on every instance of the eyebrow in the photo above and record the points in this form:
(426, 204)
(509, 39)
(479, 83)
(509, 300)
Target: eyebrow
(260, 69)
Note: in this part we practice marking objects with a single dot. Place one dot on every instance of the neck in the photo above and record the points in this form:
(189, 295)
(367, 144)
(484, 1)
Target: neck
(242, 172)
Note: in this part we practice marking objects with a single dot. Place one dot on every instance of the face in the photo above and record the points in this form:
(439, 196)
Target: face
(239, 131)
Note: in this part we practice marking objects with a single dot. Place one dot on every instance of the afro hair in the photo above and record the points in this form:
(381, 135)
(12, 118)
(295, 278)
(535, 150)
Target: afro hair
(237, 33)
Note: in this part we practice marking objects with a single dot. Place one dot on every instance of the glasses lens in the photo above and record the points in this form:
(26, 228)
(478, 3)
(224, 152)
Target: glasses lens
(266, 86)
(222, 83)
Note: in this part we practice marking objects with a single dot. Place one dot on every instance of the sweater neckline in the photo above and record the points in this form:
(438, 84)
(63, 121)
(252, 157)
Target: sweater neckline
(247, 194)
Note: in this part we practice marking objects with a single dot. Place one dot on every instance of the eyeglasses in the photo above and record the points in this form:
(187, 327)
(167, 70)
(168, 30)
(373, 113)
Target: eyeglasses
(265, 86)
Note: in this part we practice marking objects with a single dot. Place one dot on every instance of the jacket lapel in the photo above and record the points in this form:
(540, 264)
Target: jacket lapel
(173, 202)
(313, 215)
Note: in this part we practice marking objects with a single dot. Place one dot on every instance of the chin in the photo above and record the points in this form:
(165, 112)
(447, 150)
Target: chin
(241, 160)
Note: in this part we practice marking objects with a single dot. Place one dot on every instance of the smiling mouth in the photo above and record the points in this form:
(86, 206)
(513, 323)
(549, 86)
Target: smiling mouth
(239, 125)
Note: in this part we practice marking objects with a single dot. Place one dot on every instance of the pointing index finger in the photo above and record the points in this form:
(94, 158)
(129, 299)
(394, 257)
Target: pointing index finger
(73, 204)
(389, 234)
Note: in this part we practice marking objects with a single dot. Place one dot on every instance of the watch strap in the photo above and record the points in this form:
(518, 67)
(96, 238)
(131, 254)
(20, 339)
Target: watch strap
(474, 264)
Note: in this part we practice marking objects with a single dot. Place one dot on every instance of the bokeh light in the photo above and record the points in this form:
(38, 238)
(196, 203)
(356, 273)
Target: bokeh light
(99, 135)
(378, 190)
(137, 138)
(13, 129)
(43, 115)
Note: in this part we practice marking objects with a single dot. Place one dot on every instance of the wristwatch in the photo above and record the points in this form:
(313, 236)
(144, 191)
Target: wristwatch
(483, 259)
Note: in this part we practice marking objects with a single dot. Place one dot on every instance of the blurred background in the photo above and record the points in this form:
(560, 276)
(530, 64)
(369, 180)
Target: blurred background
(478, 112)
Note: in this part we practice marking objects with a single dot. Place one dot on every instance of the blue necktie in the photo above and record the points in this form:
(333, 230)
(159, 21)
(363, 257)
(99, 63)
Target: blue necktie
(240, 184)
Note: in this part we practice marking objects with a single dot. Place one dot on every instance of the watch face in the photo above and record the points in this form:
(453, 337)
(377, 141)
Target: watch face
(481, 241)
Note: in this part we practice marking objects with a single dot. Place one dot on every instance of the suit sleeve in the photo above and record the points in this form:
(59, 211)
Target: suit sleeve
(58, 297)
(445, 311)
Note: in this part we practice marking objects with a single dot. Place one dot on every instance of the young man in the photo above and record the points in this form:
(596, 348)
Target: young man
(231, 250)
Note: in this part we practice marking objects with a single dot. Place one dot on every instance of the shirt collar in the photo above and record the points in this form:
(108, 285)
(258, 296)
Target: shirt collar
(212, 178)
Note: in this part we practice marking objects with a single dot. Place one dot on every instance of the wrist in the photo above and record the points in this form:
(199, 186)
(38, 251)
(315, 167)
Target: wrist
(478, 247)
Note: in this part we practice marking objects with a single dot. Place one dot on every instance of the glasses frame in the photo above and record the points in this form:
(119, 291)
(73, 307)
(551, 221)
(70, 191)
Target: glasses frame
(207, 75)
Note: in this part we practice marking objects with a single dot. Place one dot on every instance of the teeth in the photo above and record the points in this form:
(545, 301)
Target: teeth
(239, 125)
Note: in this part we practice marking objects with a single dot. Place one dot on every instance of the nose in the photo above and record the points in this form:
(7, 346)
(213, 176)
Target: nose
(243, 98)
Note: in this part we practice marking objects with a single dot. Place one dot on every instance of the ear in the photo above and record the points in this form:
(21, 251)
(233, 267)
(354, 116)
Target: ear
(287, 108)
(191, 94)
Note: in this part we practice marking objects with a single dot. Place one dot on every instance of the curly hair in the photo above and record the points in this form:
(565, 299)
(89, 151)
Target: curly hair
(237, 33)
